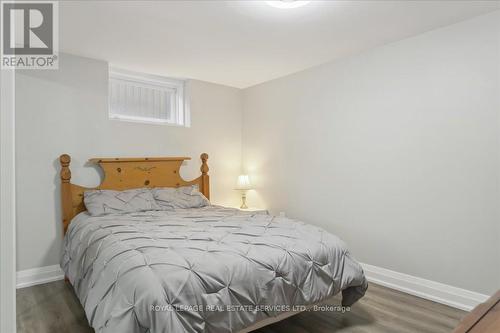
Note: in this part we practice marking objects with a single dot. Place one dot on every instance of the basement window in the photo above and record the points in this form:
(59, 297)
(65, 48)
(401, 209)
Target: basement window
(147, 98)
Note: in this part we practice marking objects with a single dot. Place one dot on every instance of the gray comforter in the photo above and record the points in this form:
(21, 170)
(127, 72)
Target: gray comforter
(209, 269)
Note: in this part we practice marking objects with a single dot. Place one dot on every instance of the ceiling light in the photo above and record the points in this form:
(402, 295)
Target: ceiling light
(287, 4)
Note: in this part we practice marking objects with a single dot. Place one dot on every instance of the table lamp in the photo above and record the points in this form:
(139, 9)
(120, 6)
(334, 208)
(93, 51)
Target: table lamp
(243, 185)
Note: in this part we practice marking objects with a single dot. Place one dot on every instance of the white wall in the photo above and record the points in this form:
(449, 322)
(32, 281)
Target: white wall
(7, 202)
(395, 150)
(65, 111)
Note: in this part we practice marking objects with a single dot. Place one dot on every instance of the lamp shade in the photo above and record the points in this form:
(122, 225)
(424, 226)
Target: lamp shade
(243, 183)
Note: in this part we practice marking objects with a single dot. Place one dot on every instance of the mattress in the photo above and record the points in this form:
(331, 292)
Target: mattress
(210, 269)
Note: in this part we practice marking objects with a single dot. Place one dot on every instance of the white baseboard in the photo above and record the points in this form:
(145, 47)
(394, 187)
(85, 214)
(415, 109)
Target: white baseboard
(39, 275)
(431, 290)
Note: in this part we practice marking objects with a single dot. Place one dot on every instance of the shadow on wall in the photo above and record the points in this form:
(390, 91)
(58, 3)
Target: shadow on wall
(57, 206)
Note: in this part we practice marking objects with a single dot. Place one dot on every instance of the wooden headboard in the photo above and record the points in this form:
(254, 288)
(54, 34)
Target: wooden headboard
(127, 173)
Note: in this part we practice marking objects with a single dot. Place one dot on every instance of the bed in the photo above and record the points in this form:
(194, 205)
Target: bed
(210, 269)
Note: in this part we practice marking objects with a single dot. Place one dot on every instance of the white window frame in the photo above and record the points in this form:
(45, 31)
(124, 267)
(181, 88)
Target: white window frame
(181, 114)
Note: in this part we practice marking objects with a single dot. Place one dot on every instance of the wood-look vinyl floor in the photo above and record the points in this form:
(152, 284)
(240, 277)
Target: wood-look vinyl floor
(53, 308)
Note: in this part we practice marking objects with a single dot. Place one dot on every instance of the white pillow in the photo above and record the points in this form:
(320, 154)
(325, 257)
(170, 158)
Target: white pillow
(102, 202)
(169, 198)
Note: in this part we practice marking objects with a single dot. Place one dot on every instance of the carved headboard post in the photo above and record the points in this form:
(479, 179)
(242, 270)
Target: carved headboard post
(67, 206)
(205, 182)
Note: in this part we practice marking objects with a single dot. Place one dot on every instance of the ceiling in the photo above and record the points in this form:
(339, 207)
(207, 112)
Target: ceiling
(243, 43)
